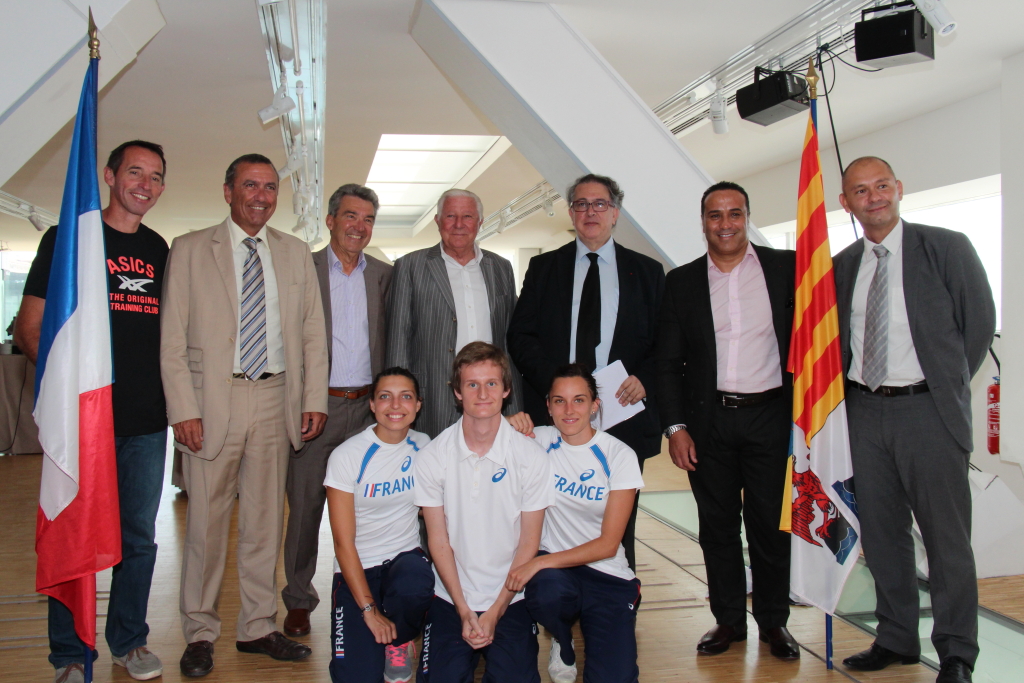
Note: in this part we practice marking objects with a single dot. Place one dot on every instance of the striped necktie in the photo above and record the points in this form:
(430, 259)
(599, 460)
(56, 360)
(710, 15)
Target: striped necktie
(875, 366)
(253, 328)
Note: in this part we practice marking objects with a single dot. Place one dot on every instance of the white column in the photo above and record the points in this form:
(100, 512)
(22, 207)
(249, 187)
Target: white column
(1012, 342)
(569, 112)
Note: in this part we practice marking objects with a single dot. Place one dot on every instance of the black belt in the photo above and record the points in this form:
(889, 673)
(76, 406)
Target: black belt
(732, 399)
(888, 392)
(265, 375)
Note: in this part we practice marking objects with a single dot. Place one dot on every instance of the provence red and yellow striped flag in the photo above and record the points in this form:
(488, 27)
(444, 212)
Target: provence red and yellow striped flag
(822, 511)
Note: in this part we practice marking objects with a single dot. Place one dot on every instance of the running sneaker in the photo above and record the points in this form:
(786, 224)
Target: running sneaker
(142, 664)
(559, 671)
(398, 662)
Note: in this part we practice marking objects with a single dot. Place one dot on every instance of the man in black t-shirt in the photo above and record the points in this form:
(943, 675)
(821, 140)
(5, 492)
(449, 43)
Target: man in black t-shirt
(136, 257)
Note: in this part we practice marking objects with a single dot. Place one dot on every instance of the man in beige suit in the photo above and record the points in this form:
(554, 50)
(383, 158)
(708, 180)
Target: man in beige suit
(353, 288)
(244, 364)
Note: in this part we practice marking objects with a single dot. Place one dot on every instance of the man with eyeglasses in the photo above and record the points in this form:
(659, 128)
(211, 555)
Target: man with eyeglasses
(592, 302)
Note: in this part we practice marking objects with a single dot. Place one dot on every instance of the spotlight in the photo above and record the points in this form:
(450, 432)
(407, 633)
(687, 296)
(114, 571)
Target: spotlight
(37, 220)
(281, 105)
(301, 199)
(304, 225)
(549, 206)
(937, 15)
(717, 112)
(296, 161)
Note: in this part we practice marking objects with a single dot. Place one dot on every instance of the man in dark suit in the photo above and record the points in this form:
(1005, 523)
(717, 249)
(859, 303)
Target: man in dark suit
(916, 317)
(353, 288)
(444, 297)
(593, 302)
(726, 403)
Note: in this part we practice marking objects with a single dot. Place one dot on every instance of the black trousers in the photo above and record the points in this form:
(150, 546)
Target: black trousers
(629, 534)
(741, 473)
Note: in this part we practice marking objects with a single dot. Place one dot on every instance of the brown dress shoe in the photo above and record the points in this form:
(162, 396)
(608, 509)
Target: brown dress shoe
(198, 659)
(276, 646)
(783, 644)
(718, 639)
(296, 624)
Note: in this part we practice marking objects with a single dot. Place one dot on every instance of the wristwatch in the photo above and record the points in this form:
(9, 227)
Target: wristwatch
(673, 429)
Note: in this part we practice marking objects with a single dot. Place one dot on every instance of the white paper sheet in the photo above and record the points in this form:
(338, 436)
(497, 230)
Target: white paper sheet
(609, 379)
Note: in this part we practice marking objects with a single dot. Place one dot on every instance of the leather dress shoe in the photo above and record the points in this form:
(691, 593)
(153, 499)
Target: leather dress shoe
(198, 659)
(954, 670)
(276, 646)
(718, 639)
(296, 624)
(782, 643)
(876, 658)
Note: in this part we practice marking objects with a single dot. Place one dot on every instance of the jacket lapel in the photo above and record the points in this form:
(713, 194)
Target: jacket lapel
(321, 262)
(223, 250)
(912, 270)
(702, 307)
(435, 266)
(371, 278)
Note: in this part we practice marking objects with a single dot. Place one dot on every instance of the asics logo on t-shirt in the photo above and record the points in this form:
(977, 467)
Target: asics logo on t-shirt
(586, 475)
(499, 475)
(407, 464)
(133, 285)
(388, 488)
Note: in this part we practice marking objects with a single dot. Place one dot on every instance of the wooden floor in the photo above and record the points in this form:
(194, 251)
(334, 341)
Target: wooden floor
(673, 616)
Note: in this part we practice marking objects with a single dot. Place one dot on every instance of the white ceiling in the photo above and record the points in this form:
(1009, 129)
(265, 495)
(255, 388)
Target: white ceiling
(197, 86)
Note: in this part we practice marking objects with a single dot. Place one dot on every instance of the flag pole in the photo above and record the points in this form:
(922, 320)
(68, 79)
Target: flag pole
(812, 86)
(94, 53)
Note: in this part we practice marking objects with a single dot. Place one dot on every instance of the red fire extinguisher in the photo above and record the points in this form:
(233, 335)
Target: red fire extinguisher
(993, 416)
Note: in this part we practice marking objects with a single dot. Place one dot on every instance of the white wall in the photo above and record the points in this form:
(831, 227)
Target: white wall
(949, 145)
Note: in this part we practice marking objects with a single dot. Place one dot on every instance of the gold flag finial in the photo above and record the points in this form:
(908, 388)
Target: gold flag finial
(812, 78)
(94, 39)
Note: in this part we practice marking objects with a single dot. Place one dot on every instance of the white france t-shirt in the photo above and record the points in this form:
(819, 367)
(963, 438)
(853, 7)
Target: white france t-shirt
(583, 477)
(380, 476)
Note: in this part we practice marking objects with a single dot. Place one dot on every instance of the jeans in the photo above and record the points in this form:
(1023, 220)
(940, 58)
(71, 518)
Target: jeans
(140, 475)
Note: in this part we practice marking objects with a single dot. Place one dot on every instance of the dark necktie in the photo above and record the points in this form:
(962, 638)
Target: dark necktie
(588, 324)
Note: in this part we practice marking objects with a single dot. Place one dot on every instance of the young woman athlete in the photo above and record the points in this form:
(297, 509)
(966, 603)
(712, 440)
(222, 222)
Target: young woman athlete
(383, 583)
(581, 571)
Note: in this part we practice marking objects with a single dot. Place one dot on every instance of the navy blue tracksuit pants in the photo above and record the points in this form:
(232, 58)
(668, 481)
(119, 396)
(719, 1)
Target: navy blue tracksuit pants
(447, 658)
(606, 607)
(403, 589)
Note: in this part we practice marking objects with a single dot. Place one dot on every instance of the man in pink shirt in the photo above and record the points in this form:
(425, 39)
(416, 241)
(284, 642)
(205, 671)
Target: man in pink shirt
(726, 403)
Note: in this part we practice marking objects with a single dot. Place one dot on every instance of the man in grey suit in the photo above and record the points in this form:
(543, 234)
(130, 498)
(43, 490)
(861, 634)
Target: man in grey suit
(916, 317)
(353, 287)
(441, 299)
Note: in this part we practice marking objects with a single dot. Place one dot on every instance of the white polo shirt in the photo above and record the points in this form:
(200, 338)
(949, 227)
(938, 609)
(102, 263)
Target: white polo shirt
(483, 498)
(583, 477)
(381, 478)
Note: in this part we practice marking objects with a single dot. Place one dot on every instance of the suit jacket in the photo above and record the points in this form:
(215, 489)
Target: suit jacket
(951, 311)
(423, 327)
(199, 328)
(541, 332)
(687, 351)
(377, 276)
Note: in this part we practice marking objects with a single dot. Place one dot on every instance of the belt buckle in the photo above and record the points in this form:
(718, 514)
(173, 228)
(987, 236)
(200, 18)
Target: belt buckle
(727, 396)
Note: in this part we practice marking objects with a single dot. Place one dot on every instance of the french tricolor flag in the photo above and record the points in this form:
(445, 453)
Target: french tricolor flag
(78, 530)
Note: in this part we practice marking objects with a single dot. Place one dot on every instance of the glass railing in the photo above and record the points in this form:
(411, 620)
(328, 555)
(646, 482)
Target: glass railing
(1001, 638)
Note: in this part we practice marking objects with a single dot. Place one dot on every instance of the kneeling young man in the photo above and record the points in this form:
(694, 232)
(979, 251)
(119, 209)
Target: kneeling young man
(483, 488)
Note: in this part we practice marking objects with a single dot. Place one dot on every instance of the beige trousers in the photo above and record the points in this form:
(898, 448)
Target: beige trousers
(253, 464)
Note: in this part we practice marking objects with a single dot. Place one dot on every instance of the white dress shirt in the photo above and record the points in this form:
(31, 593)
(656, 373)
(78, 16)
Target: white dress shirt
(471, 305)
(903, 366)
(483, 497)
(747, 349)
(609, 275)
(239, 252)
